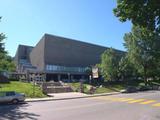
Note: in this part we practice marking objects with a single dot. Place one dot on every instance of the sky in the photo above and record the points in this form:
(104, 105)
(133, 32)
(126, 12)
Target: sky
(92, 21)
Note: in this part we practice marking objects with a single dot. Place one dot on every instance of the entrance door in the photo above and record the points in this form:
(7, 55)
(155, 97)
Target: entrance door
(52, 77)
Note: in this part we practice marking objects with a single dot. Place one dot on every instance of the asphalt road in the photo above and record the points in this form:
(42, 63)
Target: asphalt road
(135, 106)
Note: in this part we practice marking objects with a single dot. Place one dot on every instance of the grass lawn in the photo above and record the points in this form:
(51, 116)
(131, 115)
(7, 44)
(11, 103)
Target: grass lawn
(76, 86)
(26, 88)
(103, 89)
(110, 88)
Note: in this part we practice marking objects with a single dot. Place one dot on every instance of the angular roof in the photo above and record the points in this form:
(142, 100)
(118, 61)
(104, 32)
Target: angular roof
(60, 51)
(23, 52)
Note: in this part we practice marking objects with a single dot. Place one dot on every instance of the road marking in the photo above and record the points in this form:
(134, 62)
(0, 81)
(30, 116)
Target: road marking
(116, 99)
(119, 99)
(111, 98)
(72, 107)
(127, 99)
(131, 100)
(156, 105)
(135, 101)
(147, 102)
(103, 98)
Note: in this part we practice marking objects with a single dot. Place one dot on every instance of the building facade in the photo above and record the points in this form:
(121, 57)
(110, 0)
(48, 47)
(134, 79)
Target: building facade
(57, 58)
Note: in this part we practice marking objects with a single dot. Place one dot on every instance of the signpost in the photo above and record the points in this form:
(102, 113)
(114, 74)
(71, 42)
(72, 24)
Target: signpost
(81, 86)
(95, 72)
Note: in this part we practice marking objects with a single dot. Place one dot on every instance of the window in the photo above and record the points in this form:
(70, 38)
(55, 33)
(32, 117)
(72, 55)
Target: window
(63, 68)
(10, 93)
(2, 94)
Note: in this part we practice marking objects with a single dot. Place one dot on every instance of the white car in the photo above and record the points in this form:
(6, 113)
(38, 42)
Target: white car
(11, 97)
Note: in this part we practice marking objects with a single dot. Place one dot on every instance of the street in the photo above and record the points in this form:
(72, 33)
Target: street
(134, 106)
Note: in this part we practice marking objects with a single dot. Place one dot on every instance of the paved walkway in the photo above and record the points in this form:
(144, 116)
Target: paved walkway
(69, 95)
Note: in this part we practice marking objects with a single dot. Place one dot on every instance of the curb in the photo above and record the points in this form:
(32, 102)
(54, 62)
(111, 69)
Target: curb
(87, 96)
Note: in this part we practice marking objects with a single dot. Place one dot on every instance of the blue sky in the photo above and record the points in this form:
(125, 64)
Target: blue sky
(93, 21)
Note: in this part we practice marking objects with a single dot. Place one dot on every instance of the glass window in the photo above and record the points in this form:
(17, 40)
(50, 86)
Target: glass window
(63, 68)
(2, 94)
(10, 93)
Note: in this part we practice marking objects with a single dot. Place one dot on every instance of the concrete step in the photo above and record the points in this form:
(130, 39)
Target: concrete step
(57, 89)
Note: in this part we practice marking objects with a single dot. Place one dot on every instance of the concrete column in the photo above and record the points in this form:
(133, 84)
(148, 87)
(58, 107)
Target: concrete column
(59, 77)
(72, 77)
(69, 77)
(82, 77)
(27, 76)
(44, 77)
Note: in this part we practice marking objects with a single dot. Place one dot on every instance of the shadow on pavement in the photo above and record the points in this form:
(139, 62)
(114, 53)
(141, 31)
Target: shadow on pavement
(13, 112)
(148, 91)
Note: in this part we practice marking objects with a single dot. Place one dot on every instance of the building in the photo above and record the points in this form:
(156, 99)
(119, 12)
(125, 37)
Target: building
(57, 58)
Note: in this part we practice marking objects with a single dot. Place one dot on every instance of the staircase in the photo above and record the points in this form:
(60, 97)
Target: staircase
(55, 87)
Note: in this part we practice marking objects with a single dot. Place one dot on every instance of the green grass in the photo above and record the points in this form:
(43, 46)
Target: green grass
(76, 86)
(156, 82)
(110, 88)
(103, 89)
(21, 87)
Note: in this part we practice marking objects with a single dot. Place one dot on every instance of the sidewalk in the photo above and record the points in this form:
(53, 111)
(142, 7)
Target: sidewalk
(69, 95)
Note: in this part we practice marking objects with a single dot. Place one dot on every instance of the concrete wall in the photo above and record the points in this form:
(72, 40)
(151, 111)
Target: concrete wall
(37, 55)
(68, 52)
(23, 52)
(55, 50)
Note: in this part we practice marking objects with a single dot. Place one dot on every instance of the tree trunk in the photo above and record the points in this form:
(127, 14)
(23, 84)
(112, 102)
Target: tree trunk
(145, 76)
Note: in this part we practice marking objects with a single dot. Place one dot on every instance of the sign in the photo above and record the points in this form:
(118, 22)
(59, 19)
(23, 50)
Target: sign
(95, 72)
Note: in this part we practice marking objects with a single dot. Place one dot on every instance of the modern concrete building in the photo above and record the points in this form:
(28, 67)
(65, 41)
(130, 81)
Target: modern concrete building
(57, 58)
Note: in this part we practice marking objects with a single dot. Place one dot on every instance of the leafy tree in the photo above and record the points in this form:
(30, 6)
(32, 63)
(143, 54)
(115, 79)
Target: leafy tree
(2, 37)
(143, 48)
(110, 64)
(127, 69)
(6, 62)
(2, 48)
(145, 13)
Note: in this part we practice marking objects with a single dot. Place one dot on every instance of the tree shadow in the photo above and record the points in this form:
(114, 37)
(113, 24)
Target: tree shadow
(148, 91)
(14, 112)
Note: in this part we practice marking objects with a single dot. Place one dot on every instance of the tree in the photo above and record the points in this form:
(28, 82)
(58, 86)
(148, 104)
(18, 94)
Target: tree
(6, 62)
(127, 69)
(143, 48)
(2, 37)
(2, 48)
(145, 13)
(110, 64)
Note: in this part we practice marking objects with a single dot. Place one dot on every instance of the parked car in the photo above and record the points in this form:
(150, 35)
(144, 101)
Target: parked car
(144, 88)
(11, 97)
(130, 89)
